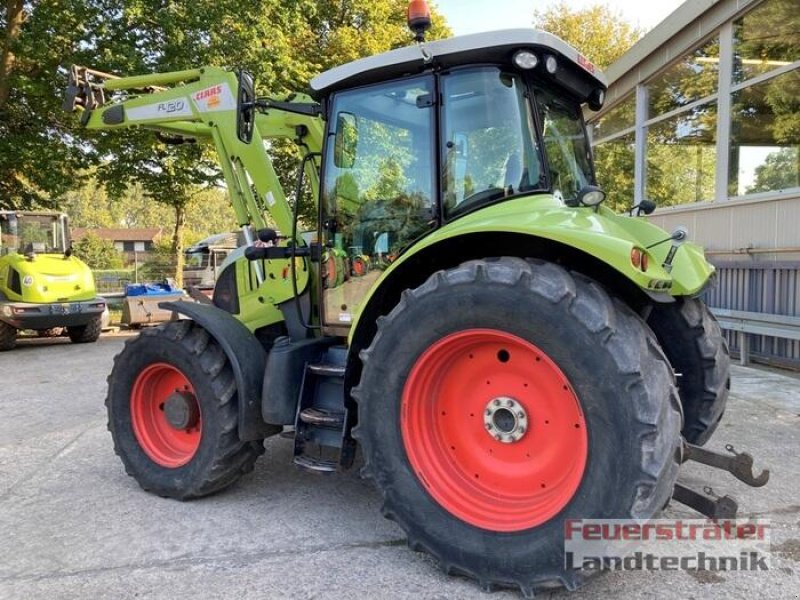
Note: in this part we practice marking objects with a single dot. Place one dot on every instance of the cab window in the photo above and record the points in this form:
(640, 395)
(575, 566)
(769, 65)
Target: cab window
(378, 188)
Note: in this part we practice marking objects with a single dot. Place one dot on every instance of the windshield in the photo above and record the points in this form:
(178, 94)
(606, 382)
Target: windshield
(31, 233)
(489, 146)
(197, 260)
(564, 137)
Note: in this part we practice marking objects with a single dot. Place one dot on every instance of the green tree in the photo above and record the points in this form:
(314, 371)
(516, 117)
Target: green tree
(603, 36)
(97, 253)
(38, 159)
(598, 31)
(284, 43)
(779, 171)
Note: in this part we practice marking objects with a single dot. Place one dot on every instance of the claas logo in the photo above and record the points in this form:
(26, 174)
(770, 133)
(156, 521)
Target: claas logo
(210, 95)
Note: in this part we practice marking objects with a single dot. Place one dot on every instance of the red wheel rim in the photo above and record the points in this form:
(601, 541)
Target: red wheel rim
(447, 400)
(164, 443)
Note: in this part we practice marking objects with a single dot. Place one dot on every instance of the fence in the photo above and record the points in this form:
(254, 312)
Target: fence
(772, 288)
(142, 268)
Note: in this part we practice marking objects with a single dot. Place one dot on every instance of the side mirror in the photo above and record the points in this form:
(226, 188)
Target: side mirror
(346, 141)
(34, 248)
(646, 207)
(246, 107)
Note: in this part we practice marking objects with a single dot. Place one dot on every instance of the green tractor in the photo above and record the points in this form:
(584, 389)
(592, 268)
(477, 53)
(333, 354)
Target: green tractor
(42, 286)
(501, 346)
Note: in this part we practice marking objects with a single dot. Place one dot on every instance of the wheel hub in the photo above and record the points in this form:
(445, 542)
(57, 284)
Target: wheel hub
(493, 430)
(505, 420)
(166, 417)
(180, 410)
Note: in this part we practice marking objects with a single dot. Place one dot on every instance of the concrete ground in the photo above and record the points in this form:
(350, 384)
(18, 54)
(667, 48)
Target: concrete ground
(73, 525)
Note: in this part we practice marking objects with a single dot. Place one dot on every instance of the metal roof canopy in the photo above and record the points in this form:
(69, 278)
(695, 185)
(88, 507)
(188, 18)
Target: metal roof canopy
(488, 47)
(687, 27)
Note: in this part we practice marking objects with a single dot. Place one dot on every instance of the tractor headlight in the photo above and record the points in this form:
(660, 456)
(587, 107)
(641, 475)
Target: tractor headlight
(7, 312)
(525, 59)
(551, 64)
(591, 195)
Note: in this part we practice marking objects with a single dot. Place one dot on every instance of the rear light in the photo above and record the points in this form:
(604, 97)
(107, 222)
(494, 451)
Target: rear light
(639, 259)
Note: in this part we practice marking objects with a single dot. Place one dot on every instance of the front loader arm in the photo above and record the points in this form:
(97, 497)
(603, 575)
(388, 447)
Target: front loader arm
(201, 104)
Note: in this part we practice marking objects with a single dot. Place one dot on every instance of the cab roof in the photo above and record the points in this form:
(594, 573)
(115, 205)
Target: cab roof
(580, 75)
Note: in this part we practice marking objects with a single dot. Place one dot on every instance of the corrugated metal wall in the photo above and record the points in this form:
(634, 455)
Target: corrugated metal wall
(732, 230)
(767, 287)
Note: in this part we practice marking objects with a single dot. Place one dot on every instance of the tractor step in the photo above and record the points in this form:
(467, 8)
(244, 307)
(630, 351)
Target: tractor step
(321, 417)
(322, 423)
(316, 465)
(327, 370)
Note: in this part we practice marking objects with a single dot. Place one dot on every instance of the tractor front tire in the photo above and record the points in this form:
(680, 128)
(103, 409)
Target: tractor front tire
(694, 344)
(8, 336)
(86, 334)
(173, 413)
(502, 399)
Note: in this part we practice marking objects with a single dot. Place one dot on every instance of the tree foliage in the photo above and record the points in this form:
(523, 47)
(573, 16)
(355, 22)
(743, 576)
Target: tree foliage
(779, 171)
(97, 253)
(91, 206)
(38, 157)
(602, 35)
(284, 42)
(598, 31)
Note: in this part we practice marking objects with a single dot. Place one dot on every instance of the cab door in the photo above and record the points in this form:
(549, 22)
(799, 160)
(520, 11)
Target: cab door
(378, 193)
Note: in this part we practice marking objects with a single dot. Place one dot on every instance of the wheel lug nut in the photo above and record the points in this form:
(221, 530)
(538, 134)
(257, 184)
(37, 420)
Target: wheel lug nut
(509, 403)
(497, 402)
(489, 426)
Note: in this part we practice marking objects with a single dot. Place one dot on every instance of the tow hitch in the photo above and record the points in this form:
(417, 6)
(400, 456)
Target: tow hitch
(740, 465)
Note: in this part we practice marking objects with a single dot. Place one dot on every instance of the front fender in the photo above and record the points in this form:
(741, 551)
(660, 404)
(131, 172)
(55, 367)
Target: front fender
(599, 233)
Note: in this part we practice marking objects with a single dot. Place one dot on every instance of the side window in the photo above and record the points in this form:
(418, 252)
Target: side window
(378, 188)
(565, 143)
(490, 149)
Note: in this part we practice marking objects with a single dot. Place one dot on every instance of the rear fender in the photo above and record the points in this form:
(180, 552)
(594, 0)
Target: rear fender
(601, 234)
(246, 356)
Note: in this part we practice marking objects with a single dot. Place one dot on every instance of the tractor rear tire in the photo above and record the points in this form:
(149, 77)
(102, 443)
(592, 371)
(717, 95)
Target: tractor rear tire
(694, 344)
(8, 336)
(86, 334)
(582, 372)
(173, 413)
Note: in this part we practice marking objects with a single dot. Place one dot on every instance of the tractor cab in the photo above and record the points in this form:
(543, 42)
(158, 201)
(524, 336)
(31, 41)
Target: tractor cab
(423, 135)
(33, 233)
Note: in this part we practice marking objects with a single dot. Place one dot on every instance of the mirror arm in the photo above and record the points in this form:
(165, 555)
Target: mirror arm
(309, 109)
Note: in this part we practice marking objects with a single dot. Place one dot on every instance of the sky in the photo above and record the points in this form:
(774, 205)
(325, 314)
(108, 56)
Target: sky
(472, 16)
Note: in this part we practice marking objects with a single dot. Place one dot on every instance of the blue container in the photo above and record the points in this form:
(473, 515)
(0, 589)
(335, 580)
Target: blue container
(151, 289)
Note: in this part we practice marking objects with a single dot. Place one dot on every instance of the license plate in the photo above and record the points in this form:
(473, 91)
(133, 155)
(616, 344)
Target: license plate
(64, 309)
